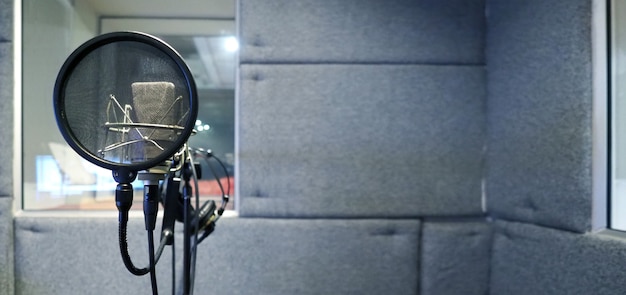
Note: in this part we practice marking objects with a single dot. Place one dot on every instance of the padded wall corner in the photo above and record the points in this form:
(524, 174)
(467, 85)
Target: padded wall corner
(455, 257)
(6, 113)
(360, 140)
(6, 20)
(529, 259)
(396, 31)
(539, 91)
(6, 246)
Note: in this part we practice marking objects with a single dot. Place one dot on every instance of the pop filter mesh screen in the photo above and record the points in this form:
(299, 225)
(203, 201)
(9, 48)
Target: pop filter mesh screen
(127, 102)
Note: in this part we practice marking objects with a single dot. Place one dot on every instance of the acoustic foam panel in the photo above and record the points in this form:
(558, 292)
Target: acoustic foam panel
(530, 259)
(6, 20)
(6, 113)
(360, 140)
(6, 246)
(539, 112)
(316, 256)
(72, 255)
(455, 257)
(397, 31)
(243, 256)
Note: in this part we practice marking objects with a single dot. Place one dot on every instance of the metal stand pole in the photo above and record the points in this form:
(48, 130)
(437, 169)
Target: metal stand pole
(187, 230)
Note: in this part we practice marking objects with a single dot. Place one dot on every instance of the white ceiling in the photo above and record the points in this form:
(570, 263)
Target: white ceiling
(213, 67)
(165, 8)
(202, 48)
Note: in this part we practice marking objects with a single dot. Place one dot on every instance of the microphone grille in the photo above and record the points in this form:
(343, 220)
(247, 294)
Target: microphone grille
(154, 103)
(152, 100)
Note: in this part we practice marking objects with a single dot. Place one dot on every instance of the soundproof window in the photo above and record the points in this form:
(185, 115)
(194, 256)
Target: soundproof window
(617, 113)
(54, 176)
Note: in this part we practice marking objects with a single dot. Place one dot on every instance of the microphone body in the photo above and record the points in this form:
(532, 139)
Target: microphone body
(154, 103)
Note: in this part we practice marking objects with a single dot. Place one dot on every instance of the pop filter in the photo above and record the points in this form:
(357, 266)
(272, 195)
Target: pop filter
(125, 101)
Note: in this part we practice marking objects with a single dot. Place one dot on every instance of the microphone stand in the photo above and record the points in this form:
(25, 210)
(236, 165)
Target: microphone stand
(177, 206)
(151, 179)
(171, 212)
(124, 200)
(187, 217)
(176, 200)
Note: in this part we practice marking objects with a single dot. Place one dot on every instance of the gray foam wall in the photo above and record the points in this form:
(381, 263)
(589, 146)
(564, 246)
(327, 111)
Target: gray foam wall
(367, 109)
(6, 20)
(6, 148)
(396, 31)
(340, 129)
(6, 246)
(80, 256)
(454, 257)
(360, 140)
(539, 153)
(531, 259)
(539, 120)
(320, 256)
(244, 256)
(6, 113)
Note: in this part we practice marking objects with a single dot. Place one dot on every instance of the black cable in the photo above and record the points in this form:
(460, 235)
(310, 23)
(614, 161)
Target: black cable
(153, 280)
(225, 195)
(219, 183)
(225, 171)
(167, 235)
(124, 248)
(150, 210)
(210, 227)
(194, 248)
(124, 201)
(174, 266)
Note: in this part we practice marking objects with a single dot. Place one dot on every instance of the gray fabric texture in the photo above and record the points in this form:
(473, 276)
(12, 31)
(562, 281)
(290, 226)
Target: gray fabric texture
(538, 167)
(6, 149)
(360, 140)
(455, 257)
(81, 256)
(6, 246)
(396, 31)
(530, 259)
(317, 256)
(6, 113)
(244, 256)
(6, 20)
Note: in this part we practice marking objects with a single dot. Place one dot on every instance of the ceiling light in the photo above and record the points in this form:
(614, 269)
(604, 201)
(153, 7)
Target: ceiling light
(231, 44)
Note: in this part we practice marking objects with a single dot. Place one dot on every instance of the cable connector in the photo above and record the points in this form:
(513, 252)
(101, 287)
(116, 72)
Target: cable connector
(123, 200)
(150, 205)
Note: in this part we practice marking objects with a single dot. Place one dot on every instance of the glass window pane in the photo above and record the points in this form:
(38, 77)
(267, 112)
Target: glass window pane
(57, 178)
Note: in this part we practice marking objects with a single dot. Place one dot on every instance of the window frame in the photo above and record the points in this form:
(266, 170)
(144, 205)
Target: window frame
(215, 26)
(600, 211)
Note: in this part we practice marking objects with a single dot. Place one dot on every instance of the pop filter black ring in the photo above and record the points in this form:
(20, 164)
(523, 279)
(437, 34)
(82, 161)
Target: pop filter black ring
(83, 51)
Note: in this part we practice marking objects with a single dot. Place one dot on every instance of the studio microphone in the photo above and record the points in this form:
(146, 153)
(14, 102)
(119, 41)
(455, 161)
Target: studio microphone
(157, 108)
(155, 105)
